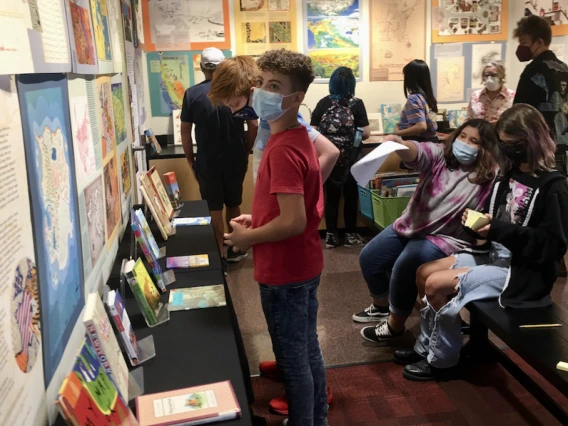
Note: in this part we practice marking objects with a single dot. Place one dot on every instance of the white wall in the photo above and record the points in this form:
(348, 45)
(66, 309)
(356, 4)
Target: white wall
(374, 93)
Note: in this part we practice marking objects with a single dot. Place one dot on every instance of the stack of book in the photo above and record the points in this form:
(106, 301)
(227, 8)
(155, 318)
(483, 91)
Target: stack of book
(395, 184)
(204, 404)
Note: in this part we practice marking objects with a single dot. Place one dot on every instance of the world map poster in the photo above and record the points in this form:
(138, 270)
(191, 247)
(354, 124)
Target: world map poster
(53, 193)
(333, 32)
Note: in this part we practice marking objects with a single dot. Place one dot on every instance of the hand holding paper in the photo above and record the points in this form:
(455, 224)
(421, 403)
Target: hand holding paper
(364, 170)
(476, 220)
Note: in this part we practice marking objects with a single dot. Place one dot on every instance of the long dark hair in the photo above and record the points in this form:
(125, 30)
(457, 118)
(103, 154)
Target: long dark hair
(526, 122)
(484, 169)
(417, 80)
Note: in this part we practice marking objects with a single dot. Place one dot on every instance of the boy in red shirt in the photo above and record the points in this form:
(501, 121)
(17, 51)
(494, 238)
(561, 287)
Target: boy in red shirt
(283, 231)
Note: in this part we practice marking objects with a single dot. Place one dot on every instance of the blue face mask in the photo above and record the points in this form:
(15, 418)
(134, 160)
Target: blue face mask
(464, 153)
(268, 105)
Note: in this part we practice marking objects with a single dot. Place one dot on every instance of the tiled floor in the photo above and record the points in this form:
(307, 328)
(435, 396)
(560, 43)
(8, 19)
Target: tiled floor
(342, 292)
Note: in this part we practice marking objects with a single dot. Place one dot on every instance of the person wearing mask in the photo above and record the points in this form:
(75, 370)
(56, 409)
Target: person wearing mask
(337, 117)
(222, 152)
(418, 117)
(494, 99)
(283, 231)
(454, 176)
(526, 234)
(232, 85)
(544, 85)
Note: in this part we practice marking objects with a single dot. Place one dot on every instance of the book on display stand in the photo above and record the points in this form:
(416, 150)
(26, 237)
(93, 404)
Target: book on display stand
(138, 350)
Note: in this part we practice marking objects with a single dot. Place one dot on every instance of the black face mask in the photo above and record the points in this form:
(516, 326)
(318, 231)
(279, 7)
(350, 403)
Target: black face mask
(246, 113)
(517, 152)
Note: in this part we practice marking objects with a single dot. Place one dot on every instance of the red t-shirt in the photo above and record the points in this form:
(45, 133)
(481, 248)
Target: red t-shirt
(289, 165)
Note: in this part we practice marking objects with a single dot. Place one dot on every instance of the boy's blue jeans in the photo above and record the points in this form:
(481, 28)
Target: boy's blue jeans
(291, 312)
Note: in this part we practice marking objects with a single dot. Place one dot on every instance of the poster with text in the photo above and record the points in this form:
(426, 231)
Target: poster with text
(23, 402)
(262, 25)
(15, 51)
(554, 11)
(44, 106)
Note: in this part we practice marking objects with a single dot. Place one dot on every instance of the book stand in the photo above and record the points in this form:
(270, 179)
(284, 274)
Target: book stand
(145, 347)
(136, 382)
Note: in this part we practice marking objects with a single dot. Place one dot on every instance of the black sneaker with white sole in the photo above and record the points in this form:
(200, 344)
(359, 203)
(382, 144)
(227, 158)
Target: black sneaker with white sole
(373, 313)
(331, 240)
(224, 266)
(380, 332)
(235, 256)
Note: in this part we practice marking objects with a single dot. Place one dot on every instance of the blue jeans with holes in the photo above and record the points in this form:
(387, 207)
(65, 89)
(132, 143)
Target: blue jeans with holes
(403, 256)
(440, 339)
(291, 312)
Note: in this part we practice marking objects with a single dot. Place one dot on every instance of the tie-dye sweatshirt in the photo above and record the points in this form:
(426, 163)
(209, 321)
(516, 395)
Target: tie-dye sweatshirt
(436, 208)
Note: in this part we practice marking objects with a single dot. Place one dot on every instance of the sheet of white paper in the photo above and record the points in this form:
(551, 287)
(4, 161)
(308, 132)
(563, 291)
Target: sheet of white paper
(448, 50)
(364, 169)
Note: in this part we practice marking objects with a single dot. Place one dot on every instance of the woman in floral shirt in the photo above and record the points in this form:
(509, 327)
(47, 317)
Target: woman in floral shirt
(494, 99)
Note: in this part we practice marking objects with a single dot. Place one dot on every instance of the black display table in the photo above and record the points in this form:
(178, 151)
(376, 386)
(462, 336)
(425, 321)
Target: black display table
(199, 346)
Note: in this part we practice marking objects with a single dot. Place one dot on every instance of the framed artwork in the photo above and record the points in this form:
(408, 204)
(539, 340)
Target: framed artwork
(555, 11)
(376, 123)
(469, 20)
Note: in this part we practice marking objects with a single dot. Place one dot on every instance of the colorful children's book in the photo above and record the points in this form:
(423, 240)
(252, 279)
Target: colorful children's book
(144, 290)
(391, 116)
(161, 191)
(153, 141)
(153, 202)
(211, 403)
(122, 322)
(104, 342)
(148, 252)
(88, 396)
(191, 221)
(196, 261)
(172, 189)
(141, 219)
(209, 296)
(457, 117)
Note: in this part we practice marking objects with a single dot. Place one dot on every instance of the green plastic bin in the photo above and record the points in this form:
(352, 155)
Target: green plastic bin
(387, 209)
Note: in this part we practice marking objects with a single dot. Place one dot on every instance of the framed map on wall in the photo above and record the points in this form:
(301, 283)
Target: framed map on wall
(455, 21)
(179, 25)
(53, 192)
(333, 36)
(398, 36)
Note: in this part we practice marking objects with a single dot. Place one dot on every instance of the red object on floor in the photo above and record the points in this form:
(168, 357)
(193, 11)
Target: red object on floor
(280, 404)
(377, 394)
(270, 370)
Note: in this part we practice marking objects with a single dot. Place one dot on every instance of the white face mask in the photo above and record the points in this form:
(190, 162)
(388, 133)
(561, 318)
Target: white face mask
(493, 83)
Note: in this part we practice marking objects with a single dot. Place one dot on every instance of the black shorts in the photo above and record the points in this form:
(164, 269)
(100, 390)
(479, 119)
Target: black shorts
(225, 189)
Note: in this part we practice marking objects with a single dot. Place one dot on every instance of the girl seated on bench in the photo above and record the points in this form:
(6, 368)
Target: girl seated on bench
(526, 234)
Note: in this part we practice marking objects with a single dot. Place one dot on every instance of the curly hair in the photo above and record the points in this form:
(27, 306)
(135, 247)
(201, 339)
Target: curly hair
(535, 27)
(297, 66)
(233, 77)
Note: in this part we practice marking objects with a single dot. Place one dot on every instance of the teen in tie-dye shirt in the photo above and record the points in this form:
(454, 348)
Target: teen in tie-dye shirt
(453, 177)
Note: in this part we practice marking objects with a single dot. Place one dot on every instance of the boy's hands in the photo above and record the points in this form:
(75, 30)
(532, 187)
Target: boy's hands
(239, 238)
(244, 219)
